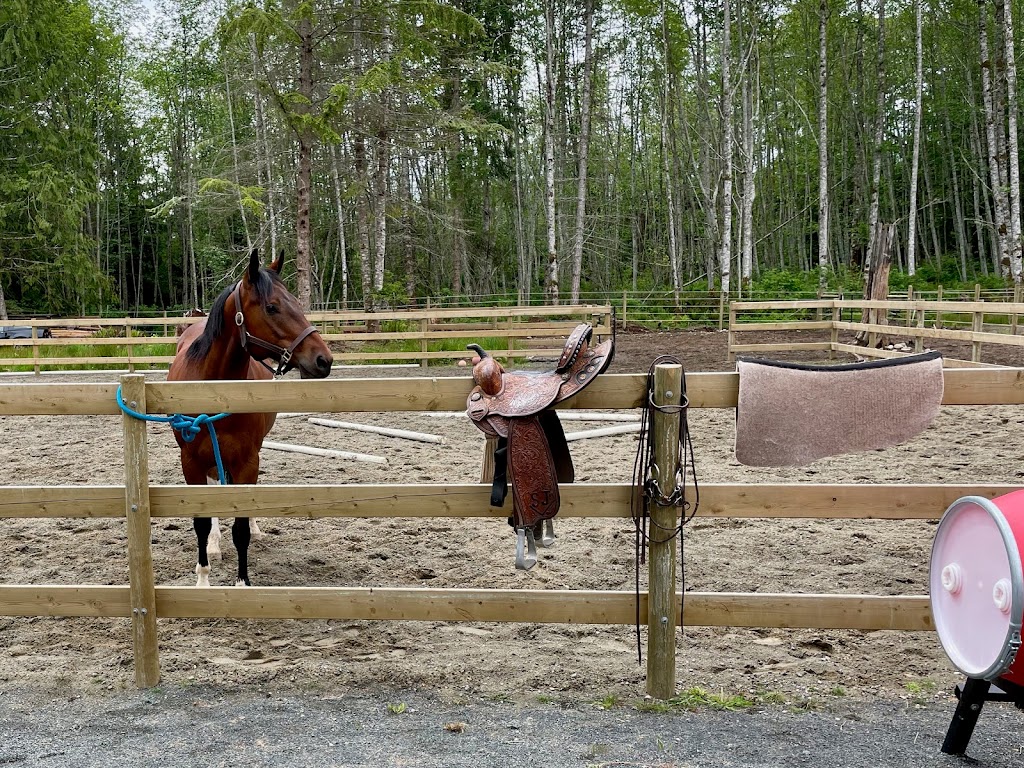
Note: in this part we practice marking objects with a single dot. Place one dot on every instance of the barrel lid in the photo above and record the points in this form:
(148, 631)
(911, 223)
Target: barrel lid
(977, 587)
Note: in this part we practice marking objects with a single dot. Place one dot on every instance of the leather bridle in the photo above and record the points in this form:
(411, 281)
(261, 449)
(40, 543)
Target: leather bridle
(283, 354)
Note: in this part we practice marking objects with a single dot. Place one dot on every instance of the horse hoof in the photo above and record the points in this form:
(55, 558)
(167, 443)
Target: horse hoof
(202, 575)
(241, 583)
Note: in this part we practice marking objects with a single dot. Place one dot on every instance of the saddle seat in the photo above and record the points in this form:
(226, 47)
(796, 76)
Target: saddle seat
(532, 451)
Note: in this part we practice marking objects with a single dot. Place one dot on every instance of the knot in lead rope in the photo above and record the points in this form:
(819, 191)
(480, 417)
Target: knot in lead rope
(188, 426)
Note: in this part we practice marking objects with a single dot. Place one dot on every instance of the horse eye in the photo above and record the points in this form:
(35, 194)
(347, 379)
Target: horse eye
(271, 309)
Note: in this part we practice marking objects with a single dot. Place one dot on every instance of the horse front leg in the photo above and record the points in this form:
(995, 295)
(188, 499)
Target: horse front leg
(241, 530)
(195, 474)
(241, 536)
(202, 526)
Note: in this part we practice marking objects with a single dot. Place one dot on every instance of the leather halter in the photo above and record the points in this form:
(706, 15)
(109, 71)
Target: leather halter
(284, 354)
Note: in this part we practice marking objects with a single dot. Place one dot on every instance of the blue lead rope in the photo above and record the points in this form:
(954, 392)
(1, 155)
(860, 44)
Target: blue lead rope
(189, 426)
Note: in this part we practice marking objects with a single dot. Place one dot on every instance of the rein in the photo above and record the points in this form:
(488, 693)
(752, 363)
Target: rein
(647, 490)
(284, 354)
(189, 426)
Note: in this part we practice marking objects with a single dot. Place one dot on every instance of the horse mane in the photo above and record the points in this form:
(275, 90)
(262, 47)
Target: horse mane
(200, 348)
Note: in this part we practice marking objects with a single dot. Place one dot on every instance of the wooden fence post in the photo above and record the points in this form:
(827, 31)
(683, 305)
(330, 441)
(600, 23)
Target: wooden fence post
(730, 357)
(919, 339)
(623, 309)
(938, 314)
(487, 467)
(661, 573)
(424, 327)
(1014, 318)
(140, 554)
(837, 316)
(35, 350)
(910, 307)
(976, 327)
(128, 336)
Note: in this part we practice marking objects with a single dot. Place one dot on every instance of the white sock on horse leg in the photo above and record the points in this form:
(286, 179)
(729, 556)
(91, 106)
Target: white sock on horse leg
(254, 529)
(213, 541)
(202, 575)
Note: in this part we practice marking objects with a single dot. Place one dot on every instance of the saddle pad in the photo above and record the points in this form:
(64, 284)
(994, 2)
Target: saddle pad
(790, 414)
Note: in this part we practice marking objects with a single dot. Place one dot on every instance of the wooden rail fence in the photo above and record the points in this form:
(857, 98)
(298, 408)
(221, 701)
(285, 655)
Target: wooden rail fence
(512, 324)
(914, 321)
(143, 601)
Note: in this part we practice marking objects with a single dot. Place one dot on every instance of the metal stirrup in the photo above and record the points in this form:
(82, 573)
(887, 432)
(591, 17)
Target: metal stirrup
(525, 540)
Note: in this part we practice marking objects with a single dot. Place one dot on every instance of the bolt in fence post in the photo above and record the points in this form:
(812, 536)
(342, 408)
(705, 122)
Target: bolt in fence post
(662, 601)
(140, 554)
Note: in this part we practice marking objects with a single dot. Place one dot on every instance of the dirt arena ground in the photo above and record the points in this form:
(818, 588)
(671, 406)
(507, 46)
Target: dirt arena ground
(806, 668)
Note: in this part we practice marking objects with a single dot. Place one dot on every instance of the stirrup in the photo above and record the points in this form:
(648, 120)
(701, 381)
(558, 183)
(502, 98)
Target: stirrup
(547, 538)
(525, 540)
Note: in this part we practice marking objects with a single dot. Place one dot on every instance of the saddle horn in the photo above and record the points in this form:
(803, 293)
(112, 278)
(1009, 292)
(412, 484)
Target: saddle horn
(487, 372)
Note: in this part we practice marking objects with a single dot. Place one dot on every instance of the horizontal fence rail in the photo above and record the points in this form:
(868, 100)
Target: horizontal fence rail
(138, 501)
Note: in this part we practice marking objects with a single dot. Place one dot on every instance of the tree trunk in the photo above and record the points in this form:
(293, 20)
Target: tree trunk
(263, 163)
(340, 213)
(234, 156)
(666, 156)
(916, 156)
(725, 251)
(381, 208)
(876, 149)
(303, 230)
(996, 170)
(750, 114)
(584, 148)
(408, 251)
(823, 196)
(876, 287)
(551, 278)
(1012, 146)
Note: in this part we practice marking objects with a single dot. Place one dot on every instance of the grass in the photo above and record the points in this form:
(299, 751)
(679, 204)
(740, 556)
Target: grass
(493, 344)
(697, 698)
(83, 350)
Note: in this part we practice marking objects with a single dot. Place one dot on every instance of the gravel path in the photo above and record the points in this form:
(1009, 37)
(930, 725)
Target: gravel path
(215, 727)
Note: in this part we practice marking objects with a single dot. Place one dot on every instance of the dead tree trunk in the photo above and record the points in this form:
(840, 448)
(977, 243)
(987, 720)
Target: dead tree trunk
(876, 286)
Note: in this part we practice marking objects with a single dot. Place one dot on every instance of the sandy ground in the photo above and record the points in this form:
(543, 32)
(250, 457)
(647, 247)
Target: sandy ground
(807, 668)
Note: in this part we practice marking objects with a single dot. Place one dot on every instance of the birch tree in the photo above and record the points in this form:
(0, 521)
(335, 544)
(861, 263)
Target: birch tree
(725, 250)
(551, 273)
(823, 196)
(916, 155)
(583, 153)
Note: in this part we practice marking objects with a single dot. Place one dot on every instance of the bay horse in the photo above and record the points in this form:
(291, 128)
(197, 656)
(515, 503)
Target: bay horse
(253, 320)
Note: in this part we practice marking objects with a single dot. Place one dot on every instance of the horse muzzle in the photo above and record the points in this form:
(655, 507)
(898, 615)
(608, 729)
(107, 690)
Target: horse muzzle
(320, 368)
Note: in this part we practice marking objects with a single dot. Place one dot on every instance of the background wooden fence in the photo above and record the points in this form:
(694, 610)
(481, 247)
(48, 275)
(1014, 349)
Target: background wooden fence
(143, 600)
(118, 341)
(911, 322)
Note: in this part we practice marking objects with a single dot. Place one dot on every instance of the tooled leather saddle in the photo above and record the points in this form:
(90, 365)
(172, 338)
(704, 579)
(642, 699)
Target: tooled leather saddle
(531, 451)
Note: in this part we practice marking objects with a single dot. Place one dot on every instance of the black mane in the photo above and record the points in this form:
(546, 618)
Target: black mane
(200, 348)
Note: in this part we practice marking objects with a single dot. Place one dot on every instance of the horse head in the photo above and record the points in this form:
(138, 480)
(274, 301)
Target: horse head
(271, 323)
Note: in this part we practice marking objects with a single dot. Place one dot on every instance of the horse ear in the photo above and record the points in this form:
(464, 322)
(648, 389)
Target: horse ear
(277, 263)
(253, 271)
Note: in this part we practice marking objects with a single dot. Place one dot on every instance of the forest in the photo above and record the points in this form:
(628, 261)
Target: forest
(538, 151)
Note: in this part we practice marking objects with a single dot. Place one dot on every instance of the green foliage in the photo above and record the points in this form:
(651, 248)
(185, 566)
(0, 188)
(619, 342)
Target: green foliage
(698, 698)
